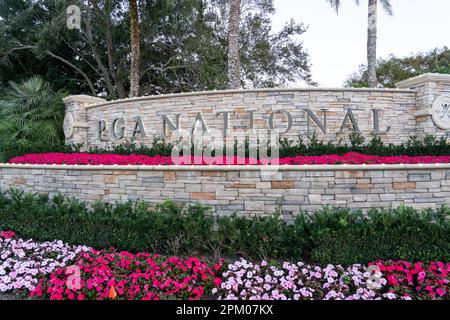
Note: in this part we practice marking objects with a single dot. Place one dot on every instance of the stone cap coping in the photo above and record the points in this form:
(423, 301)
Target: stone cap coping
(83, 98)
(338, 167)
(237, 91)
(427, 77)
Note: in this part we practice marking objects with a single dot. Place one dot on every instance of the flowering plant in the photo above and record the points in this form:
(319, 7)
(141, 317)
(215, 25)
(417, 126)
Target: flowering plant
(393, 280)
(7, 234)
(122, 275)
(116, 159)
(298, 281)
(417, 280)
(22, 262)
(57, 271)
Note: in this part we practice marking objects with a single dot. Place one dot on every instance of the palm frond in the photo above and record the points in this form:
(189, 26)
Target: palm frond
(387, 6)
(32, 110)
(336, 4)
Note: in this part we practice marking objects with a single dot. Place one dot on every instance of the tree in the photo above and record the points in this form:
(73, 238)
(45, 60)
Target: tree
(371, 35)
(183, 46)
(135, 49)
(23, 26)
(394, 69)
(31, 111)
(267, 59)
(234, 65)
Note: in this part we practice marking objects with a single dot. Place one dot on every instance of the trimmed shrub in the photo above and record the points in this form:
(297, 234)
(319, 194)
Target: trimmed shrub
(10, 149)
(330, 235)
(343, 237)
(428, 146)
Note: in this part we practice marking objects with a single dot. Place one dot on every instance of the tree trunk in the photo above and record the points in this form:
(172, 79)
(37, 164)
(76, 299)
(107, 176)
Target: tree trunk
(372, 44)
(98, 58)
(234, 64)
(135, 49)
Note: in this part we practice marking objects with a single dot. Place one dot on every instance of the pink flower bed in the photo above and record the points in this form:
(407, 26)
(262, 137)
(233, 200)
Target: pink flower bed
(116, 159)
(56, 271)
(24, 262)
(418, 280)
(381, 280)
(109, 274)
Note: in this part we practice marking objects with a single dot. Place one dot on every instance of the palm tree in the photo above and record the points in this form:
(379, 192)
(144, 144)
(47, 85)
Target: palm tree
(371, 35)
(31, 111)
(135, 49)
(234, 65)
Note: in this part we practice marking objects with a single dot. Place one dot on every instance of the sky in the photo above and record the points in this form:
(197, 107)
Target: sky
(337, 43)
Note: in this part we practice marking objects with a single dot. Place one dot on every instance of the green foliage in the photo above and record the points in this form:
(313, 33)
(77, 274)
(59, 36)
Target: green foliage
(183, 46)
(395, 69)
(339, 236)
(31, 111)
(166, 228)
(9, 149)
(428, 146)
(330, 235)
(158, 147)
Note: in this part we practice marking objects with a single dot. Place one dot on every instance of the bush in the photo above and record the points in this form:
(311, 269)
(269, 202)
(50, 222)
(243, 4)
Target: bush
(339, 236)
(428, 146)
(330, 235)
(10, 149)
(158, 148)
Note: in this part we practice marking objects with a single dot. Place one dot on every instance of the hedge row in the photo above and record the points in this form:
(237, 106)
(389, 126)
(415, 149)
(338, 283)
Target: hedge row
(328, 236)
(429, 145)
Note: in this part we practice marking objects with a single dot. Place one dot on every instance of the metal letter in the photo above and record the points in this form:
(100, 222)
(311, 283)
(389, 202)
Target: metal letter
(225, 120)
(101, 128)
(167, 122)
(139, 128)
(350, 116)
(121, 133)
(197, 118)
(376, 123)
(322, 126)
(289, 116)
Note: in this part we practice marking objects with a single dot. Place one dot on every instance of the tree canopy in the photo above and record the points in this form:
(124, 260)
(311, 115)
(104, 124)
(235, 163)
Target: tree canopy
(395, 69)
(183, 46)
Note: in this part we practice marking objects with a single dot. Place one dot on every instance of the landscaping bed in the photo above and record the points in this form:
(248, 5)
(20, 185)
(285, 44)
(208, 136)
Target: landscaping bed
(140, 252)
(330, 235)
(299, 152)
(82, 273)
(117, 159)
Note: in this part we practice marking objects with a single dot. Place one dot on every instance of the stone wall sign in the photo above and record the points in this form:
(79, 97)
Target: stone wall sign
(332, 113)
(441, 112)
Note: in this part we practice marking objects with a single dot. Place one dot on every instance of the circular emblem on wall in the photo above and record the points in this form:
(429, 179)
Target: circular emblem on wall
(441, 112)
(68, 125)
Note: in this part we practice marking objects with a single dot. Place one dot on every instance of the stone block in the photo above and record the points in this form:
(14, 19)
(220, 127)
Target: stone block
(404, 185)
(203, 195)
(282, 184)
(416, 177)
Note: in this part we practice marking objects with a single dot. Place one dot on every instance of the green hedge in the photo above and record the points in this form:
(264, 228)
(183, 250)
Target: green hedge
(9, 149)
(429, 145)
(339, 236)
(327, 236)
(167, 228)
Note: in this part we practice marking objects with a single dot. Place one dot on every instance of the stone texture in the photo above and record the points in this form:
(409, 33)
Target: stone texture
(282, 184)
(224, 193)
(255, 192)
(396, 112)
